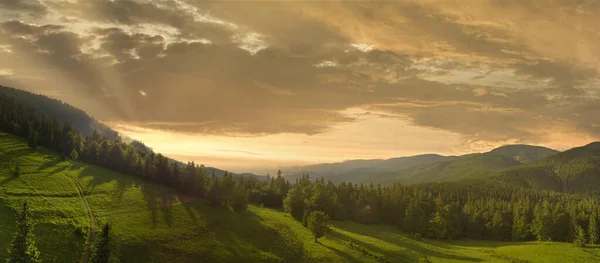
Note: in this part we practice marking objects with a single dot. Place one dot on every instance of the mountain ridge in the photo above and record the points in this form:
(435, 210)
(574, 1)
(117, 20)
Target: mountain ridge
(384, 170)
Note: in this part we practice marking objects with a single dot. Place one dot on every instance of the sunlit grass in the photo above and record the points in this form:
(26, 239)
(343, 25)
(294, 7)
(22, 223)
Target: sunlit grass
(147, 229)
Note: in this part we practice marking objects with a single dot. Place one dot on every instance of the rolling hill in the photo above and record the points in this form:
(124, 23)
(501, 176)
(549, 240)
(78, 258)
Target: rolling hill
(575, 170)
(425, 168)
(466, 166)
(153, 223)
(355, 170)
(81, 121)
(524, 153)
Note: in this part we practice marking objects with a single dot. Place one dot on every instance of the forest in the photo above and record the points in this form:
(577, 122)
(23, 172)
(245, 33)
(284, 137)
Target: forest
(485, 209)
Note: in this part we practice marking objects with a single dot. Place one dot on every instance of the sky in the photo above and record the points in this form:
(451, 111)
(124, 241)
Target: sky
(251, 86)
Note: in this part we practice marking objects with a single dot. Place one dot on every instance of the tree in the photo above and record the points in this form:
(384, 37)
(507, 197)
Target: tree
(103, 248)
(32, 141)
(580, 237)
(17, 170)
(74, 155)
(294, 203)
(593, 230)
(23, 249)
(215, 192)
(542, 222)
(239, 199)
(317, 223)
(305, 218)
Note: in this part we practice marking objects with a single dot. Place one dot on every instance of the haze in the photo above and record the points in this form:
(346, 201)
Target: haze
(218, 83)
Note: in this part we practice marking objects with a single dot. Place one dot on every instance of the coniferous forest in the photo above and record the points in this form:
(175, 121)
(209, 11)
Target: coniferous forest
(485, 209)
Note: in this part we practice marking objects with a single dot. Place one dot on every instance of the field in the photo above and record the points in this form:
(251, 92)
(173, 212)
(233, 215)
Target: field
(152, 223)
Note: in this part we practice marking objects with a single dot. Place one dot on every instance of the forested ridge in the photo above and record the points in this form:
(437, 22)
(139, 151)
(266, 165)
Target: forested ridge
(494, 209)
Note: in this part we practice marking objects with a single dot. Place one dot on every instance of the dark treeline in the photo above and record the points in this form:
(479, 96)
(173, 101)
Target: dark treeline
(62, 112)
(477, 209)
(40, 129)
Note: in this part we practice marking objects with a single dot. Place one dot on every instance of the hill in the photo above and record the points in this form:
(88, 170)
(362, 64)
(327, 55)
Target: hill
(356, 170)
(525, 153)
(64, 113)
(153, 223)
(463, 167)
(575, 170)
(61, 111)
(423, 168)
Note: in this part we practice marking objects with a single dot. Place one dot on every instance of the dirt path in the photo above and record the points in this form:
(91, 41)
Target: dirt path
(91, 235)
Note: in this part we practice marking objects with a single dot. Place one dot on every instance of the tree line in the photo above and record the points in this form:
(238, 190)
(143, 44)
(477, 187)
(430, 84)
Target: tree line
(477, 209)
(19, 118)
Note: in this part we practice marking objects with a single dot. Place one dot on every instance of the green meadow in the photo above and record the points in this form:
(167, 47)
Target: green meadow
(151, 223)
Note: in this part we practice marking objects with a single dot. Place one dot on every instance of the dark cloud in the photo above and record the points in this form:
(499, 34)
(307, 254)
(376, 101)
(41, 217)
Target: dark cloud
(33, 7)
(180, 65)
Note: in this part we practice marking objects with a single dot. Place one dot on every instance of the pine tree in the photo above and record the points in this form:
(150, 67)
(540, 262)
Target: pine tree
(305, 218)
(17, 170)
(593, 230)
(239, 199)
(294, 203)
(23, 249)
(541, 225)
(317, 223)
(102, 252)
(74, 155)
(580, 237)
(33, 139)
(214, 195)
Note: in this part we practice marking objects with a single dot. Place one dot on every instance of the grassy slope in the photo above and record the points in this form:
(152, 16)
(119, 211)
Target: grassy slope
(148, 230)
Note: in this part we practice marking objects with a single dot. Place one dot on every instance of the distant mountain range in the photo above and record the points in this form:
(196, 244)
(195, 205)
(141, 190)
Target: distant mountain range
(424, 168)
(80, 120)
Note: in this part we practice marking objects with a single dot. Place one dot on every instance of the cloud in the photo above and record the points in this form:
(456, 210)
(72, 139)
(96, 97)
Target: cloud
(491, 71)
(33, 7)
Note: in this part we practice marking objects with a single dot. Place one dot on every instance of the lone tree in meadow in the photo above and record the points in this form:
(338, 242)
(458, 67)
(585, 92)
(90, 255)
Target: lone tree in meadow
(22, 249)
(102, 252)
(317, 223)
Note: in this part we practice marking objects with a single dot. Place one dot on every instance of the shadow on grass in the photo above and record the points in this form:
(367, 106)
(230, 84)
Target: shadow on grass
(7, 180)
(53, 161)
(401, 242)
(219, 235)
(347, 257)
(159, 199)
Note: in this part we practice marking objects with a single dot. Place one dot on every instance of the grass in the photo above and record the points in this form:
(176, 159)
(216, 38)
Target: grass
(148, 229)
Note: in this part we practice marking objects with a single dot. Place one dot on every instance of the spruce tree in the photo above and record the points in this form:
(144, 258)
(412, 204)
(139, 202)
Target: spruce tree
(305, 218)
(33, 139)
(593, 230)
(23, 249)
(580, 237)
(74, 155)
(17, 170)
(102, 252)
(239, 199)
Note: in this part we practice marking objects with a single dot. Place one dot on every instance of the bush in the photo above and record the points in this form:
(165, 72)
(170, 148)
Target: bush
(417, 237)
